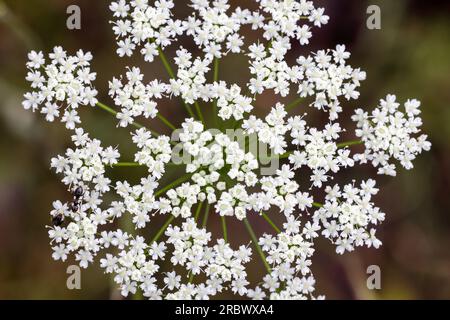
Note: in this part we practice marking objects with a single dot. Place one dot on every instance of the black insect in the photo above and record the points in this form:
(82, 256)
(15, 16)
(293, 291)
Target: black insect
(78, 192)
(58, 220)
(74, 206)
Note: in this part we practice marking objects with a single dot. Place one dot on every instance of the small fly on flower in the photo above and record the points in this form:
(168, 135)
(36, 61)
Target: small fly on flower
(78, 192)
(58, 220)
(75, 205)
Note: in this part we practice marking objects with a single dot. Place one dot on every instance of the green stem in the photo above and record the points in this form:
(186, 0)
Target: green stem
(189, 109)
(197, 212)
(199, 112)
(317, 205)
(106, 108)
(224, 228)
(166, 63)
(349, 143)
(215, 79)
(274, 226)
(257, 246)
(163, 229)
(166, 121)
(293, 104)
(173, 184)
(172, 75)
(205, 220)
(114, 112)
(205, 217)
(284, 155)
(127, 164)
(127, 225)
(216, 70)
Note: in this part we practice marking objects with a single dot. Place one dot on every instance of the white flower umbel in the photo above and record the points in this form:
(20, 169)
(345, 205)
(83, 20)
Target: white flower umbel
(289, 255)
(348, 216)
(205, 171)
(139, 24)
(60, 87)
(391, 133)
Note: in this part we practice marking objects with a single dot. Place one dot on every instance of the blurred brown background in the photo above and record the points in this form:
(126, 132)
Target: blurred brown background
(408, 57)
